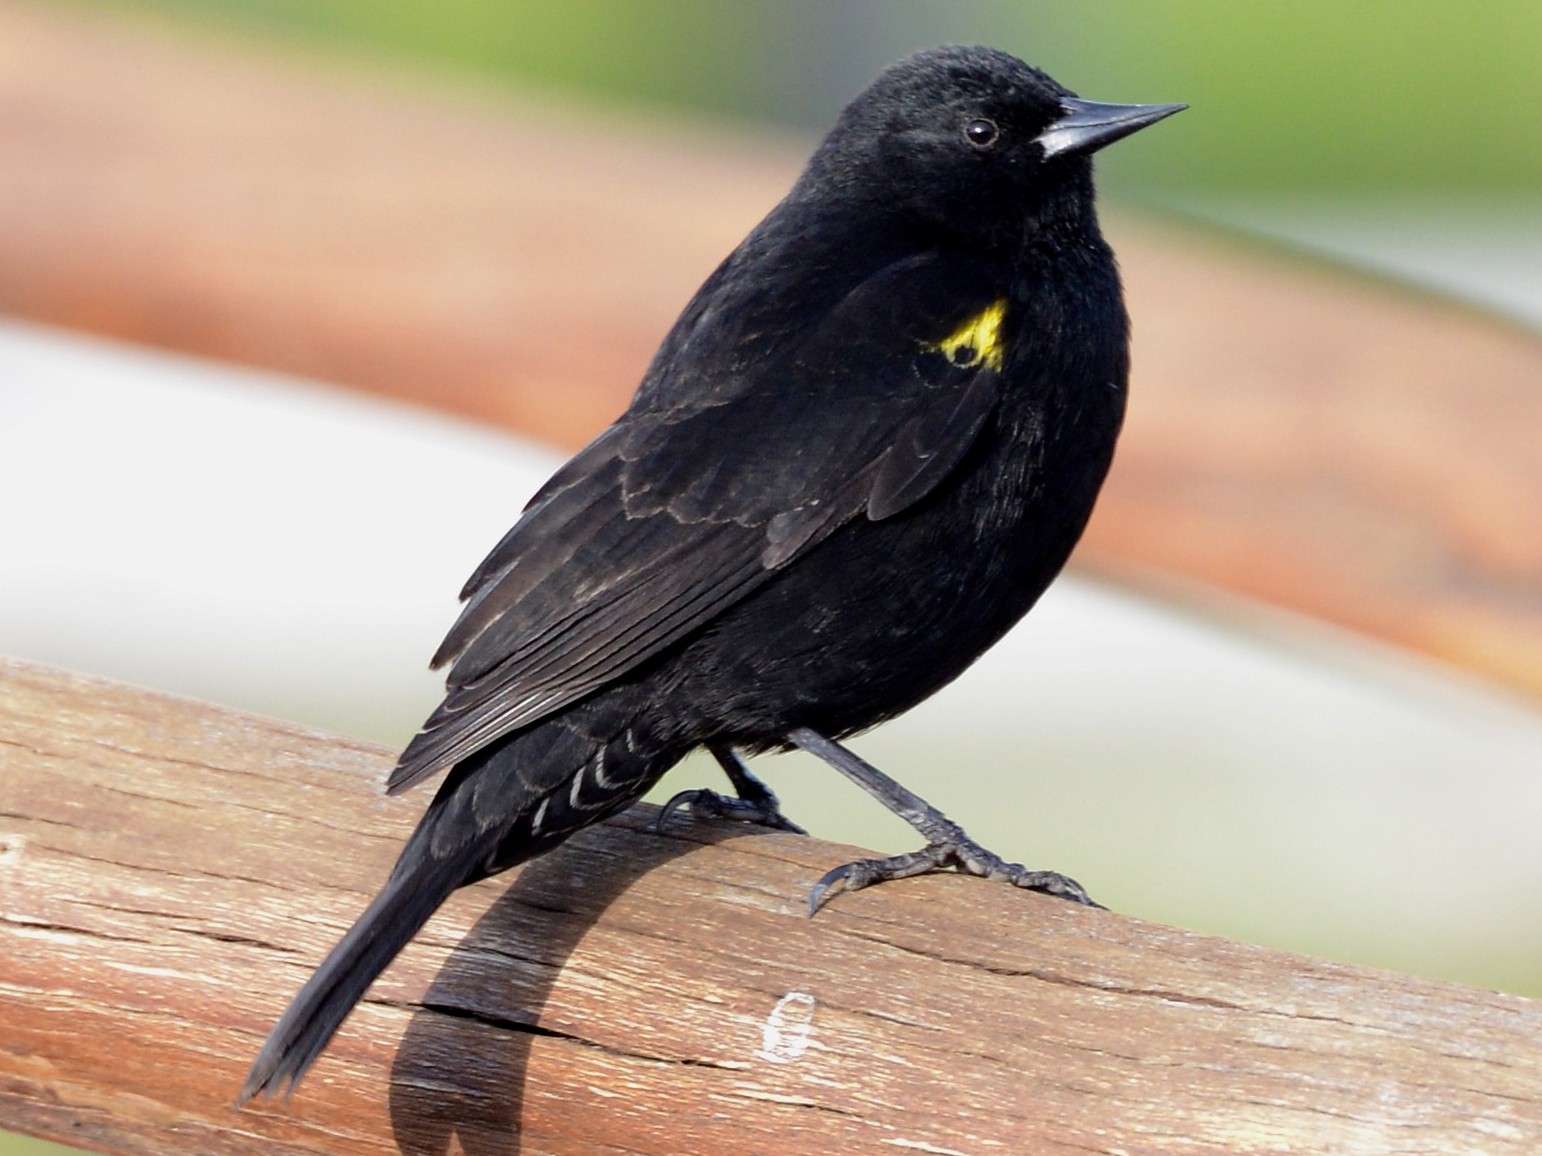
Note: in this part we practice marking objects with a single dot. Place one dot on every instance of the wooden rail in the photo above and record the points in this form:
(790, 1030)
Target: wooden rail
(1365, 457)
(170, 872)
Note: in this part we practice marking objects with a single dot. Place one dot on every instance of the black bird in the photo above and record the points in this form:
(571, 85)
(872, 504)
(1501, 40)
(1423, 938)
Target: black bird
(861, 454)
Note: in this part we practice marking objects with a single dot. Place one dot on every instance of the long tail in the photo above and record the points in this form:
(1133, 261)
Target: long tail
(498, 808)
(412, 894)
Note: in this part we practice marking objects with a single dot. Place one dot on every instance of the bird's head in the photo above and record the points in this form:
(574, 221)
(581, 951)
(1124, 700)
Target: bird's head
(967, 134)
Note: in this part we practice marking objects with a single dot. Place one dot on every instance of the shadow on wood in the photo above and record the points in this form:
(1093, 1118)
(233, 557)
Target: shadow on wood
(171, 872)
(462, 1067)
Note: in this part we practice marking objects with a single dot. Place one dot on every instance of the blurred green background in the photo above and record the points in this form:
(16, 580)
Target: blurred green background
(1313, 95)
(1311, 98)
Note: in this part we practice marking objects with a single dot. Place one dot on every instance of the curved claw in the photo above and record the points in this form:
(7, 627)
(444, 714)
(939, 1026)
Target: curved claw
(860, 873)
(677, 802)
(821, 890)
(1059, 886)
(780, 822)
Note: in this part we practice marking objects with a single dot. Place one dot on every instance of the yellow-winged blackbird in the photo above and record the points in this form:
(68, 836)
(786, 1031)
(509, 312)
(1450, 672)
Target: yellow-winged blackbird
(861, 454)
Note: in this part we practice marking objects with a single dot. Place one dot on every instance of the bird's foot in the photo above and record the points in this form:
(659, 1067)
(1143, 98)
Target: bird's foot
(705, 803)
(754, 802)
(947, 845)
(960, 853)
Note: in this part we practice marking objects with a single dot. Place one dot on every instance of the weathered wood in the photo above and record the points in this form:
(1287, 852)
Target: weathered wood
(170, 872)
(1366, 457)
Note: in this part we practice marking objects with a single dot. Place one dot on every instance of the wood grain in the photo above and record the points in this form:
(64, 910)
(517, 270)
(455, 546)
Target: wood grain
(170, 872)
(1366, 457)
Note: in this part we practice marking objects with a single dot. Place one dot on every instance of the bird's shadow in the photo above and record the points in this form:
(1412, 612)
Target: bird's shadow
(466, 1080)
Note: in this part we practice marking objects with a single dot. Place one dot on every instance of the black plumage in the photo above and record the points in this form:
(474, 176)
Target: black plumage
(864, 450)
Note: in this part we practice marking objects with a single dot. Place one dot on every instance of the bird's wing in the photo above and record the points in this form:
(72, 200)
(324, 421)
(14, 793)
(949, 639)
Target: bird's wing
(681, 509)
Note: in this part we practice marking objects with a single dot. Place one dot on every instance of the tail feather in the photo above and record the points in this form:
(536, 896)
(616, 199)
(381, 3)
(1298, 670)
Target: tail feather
(413, 893)
(505, 804)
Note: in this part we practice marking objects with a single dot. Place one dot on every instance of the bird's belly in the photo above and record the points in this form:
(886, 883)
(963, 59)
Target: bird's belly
(878, 617)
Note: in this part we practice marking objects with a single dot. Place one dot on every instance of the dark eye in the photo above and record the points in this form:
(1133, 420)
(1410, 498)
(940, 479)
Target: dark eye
(981, 133)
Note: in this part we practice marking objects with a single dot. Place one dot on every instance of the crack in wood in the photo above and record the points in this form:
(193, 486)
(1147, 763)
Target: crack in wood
(25, 925)
(531, 1028)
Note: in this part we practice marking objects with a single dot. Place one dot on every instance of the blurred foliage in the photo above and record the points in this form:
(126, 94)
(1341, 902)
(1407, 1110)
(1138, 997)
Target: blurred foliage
(1316, 94)
(1323, 95)
(11, 1145)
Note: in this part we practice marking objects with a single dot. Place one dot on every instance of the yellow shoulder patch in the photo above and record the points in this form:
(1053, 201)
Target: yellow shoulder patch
(977, 341)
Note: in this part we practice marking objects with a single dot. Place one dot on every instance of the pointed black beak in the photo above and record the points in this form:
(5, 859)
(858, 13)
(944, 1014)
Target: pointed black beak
(1087, 126)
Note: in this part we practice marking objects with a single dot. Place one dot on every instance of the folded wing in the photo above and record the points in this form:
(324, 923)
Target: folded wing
(687, 504)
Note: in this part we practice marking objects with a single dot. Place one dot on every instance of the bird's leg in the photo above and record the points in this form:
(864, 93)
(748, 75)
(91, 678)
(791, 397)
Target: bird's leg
(946, 843)
(754, 802)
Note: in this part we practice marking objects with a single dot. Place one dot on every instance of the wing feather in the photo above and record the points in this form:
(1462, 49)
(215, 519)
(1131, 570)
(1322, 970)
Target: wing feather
(679, 510)
(929, 448)
(567, 660)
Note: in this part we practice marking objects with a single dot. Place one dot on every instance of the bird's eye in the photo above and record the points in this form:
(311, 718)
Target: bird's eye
(981, 133)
